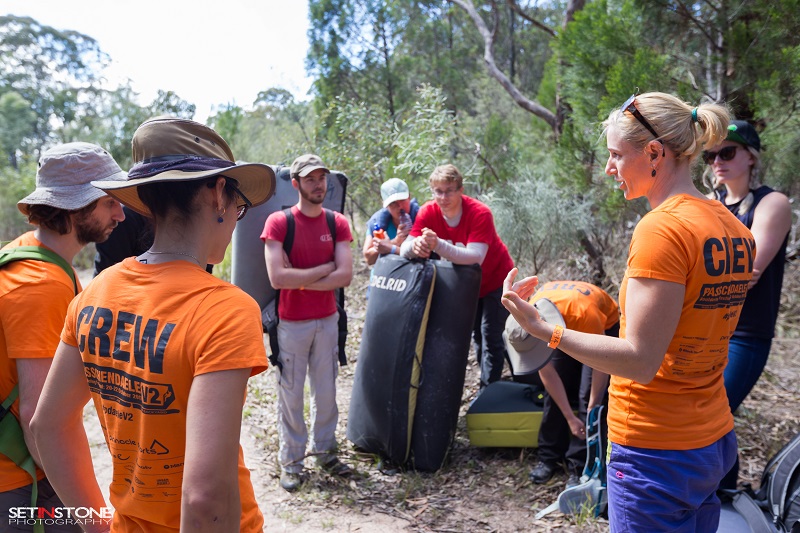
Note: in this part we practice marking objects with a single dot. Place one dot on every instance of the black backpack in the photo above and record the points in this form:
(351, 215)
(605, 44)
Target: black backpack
(272, 326)
(775, 507)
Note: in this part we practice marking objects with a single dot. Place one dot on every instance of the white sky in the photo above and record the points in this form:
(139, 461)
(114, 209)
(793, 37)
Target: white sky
(208, 53)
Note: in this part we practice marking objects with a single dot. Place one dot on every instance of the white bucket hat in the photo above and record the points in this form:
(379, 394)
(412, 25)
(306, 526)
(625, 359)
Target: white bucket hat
(65, 173)
(526, 353)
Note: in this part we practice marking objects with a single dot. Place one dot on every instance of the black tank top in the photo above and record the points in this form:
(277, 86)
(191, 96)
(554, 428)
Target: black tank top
(760, 308)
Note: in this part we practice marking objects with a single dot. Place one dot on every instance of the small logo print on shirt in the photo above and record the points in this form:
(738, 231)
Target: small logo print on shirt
(326, 238)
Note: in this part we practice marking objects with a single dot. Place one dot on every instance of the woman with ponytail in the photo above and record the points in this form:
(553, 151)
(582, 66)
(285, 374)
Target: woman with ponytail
(733, 174)
(689, 264)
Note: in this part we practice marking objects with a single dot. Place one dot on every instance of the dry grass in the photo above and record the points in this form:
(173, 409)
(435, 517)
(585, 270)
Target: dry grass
(480, 489)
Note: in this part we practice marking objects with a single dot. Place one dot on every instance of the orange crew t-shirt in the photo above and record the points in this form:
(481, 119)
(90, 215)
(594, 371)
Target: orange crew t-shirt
(144, 332)
(699, 244)
(583, 306)
(34, 296)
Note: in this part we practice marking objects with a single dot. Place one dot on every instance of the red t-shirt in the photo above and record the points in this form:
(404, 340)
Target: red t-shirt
(313, 245)
(476, 225)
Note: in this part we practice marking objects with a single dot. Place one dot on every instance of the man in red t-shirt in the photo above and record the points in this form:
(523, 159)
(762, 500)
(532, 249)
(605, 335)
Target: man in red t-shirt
(67, 213)
(461, 229)
(308, 331)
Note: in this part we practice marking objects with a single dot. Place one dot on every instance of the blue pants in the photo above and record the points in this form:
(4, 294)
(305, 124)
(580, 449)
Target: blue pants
(667, 491)
(747, 357)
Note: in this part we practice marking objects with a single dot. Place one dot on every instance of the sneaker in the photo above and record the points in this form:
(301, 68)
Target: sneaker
(542, 473)
(290, 481)
(337, 468)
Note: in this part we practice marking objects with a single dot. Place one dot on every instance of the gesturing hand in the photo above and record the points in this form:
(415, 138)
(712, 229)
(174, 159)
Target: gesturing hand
(515, 299)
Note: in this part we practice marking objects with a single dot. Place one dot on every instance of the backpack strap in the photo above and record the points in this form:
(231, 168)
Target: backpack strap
(288, 241)
(38, 253)
(12, 445)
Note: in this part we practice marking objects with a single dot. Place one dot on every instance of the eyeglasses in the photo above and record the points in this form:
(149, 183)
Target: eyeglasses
(630, 107)
(726, 154)
(241, 210)
(441, 194)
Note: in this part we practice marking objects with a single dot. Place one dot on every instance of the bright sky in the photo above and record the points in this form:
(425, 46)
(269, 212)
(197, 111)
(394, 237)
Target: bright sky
(208, 53)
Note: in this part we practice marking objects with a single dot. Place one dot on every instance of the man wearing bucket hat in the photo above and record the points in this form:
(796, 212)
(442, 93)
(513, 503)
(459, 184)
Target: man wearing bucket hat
(68, 213)
(397, 202)
(163, 348)
(308, 332)
(568, 383)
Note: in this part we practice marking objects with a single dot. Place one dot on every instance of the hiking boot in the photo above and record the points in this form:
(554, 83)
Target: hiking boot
(542, 473)
(337, 468)
(290, 481)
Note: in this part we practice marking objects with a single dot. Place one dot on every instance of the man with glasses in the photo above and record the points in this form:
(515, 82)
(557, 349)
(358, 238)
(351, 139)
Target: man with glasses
(308, 331)
(461, 229)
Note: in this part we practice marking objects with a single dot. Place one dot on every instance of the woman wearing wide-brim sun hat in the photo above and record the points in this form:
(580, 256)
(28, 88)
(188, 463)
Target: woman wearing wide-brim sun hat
(163, 348)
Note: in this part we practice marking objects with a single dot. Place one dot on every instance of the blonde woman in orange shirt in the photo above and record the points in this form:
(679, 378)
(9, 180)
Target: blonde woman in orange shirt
(688, 268)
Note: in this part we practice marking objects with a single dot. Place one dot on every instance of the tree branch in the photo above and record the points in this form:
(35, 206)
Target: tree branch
(518, 10)
(488, 57)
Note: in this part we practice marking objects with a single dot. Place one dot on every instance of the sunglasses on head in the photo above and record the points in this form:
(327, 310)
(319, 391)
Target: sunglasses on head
(630, 107)
(725, 154)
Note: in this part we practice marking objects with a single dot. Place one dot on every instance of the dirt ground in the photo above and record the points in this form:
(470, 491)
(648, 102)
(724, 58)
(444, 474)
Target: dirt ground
(485, 490)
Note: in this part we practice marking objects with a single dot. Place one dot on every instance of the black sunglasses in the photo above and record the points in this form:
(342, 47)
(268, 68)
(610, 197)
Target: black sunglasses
(726, 154)
(630, 107)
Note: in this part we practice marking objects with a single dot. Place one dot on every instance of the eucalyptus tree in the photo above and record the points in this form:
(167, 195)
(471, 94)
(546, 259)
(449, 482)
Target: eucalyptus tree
(56, 71)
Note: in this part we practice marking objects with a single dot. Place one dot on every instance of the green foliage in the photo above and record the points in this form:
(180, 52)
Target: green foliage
(55, 71)
(17, 122)
(362, 145)
(425, 138)
(15, 184)
(538, 222)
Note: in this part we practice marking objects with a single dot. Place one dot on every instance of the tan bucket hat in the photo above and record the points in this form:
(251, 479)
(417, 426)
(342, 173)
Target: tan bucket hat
(176, 149)
(526, 353)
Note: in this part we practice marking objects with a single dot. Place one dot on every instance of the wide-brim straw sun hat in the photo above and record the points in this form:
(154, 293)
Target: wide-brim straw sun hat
(65, 175)
(174, 149)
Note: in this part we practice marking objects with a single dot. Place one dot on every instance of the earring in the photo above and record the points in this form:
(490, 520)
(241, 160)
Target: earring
(653, 173)
(220, 219)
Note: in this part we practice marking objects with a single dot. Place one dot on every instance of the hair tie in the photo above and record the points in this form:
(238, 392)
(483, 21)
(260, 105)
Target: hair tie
(694, 115)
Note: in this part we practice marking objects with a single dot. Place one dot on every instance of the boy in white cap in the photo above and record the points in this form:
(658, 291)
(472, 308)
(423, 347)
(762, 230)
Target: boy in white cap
(68, 213)
(397, 202)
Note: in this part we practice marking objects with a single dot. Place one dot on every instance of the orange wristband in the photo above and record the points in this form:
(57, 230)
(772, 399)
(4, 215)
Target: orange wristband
(555, 340)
